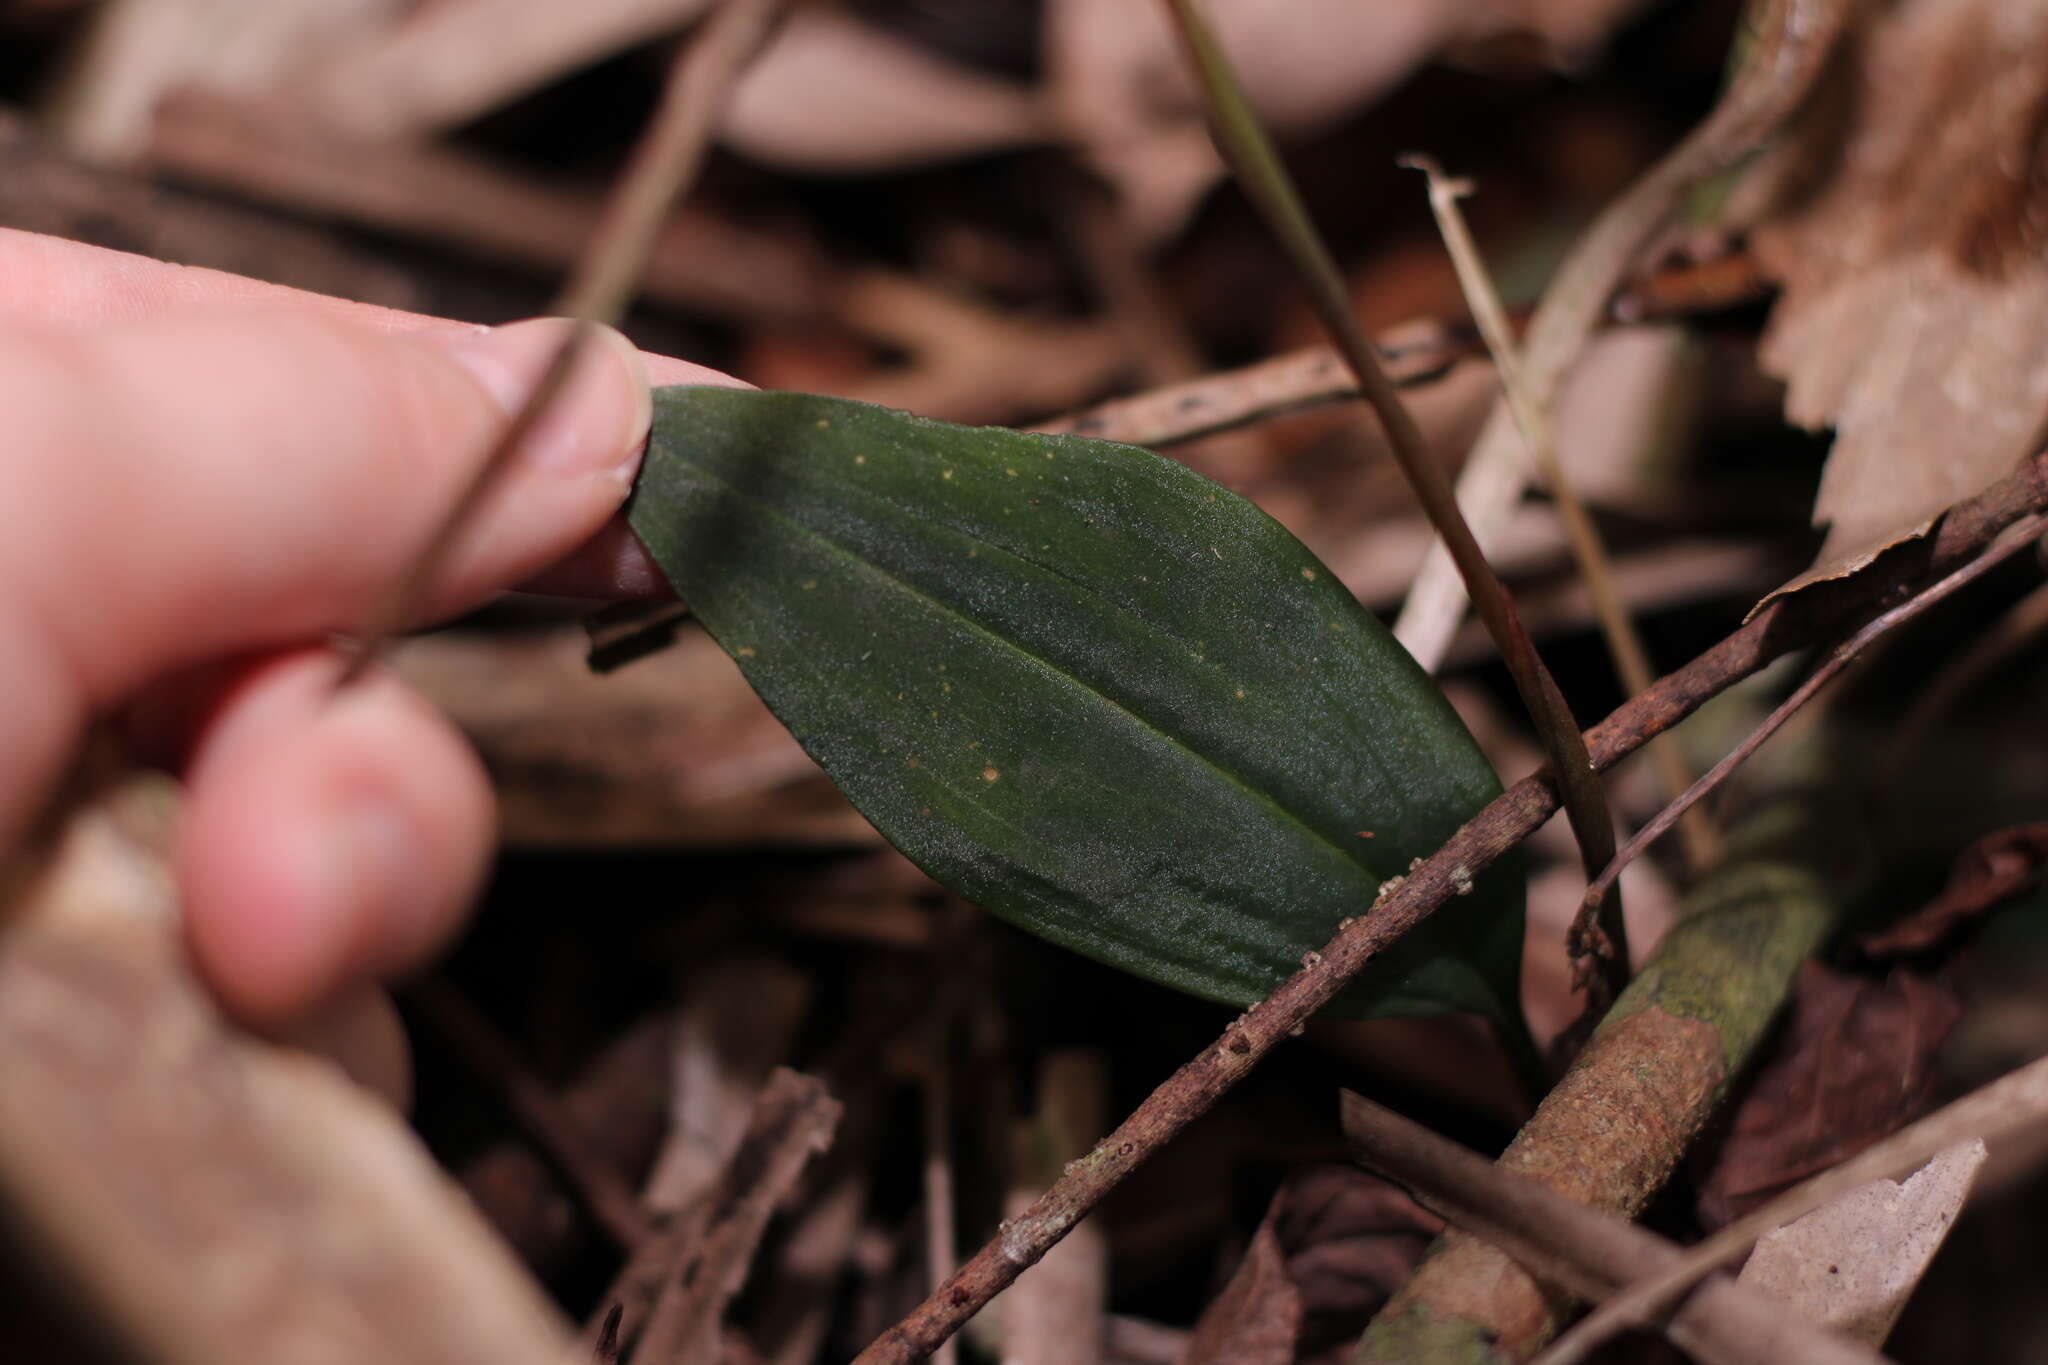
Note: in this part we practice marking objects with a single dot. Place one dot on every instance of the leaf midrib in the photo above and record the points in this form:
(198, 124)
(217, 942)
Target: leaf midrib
(1235, 779)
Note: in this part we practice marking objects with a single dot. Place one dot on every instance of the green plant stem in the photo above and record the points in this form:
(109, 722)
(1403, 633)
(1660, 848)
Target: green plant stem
(1265, 180)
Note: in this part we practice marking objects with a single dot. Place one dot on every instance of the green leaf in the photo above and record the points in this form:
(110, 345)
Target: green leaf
(1102, 697)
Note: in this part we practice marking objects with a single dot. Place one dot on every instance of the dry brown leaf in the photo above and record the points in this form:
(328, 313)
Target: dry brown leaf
(1334, 1244)
(1853, 1263)
(833, 94)
(1914, 317)
(1854, 1063)
(211, 1196)
(1996, 867)
(1119, 88)
(1257, 1318)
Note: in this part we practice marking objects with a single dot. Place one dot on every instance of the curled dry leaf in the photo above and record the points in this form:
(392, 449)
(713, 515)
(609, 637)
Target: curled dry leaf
(1996, 867)
(1335, 1243)
(1908, 233)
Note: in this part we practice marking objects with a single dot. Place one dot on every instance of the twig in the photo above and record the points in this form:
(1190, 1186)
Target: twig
(1413, 355)
(552, 1130)
(793, 1120)
(1783, 626)
(678, 1282)
(663, 165)
(1245, 146)
(1790, 49)
(1587, 1253)
(1056, 1313)
(1596, 566)
(1840, 658)
(2009, 1105)
(939, 1237)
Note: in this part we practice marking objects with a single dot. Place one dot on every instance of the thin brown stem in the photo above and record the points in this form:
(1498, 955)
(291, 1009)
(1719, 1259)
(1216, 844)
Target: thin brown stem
(1838, 659)
(664, 164)
(1789, 623)
(938, 1179)
(1596, 566)
(1251, 154)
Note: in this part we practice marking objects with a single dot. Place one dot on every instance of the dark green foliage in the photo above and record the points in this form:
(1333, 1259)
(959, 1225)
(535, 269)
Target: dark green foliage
(1099, 695)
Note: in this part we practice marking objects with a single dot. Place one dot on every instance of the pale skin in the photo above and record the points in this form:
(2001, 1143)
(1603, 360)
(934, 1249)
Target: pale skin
(202, 478)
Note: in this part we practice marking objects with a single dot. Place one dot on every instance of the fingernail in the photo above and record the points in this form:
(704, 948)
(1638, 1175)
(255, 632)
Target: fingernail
(596, 423)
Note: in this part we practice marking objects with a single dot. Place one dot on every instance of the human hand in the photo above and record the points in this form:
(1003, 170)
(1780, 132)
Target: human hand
(204, 477)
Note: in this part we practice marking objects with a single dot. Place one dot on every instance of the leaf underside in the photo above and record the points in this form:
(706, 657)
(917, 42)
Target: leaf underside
(1101, 696)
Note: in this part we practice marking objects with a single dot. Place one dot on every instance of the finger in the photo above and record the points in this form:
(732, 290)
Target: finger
(327, 839)
(200, 487)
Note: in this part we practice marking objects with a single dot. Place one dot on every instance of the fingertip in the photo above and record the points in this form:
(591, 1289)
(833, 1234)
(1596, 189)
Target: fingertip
(329, 839)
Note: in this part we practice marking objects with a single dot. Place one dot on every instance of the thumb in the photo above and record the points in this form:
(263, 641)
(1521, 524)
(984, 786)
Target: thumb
(186, 488)
(183, 488)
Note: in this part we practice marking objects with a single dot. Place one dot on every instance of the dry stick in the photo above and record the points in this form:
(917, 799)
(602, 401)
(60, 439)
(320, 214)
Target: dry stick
(1586, 1253)
(1412, 354)
(553, 1131)
(1840, 658)
(793, 1120)
(1792, 43)
(1250, 152)
(664, 163)
(939, 1239)
(2010, 1104)
(1788, 623)
(1631, 660)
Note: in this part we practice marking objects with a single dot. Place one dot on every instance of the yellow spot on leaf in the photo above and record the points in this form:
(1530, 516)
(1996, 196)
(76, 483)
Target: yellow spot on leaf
(860, 459)
(1309, 574)
(1240, 694)
(945, 473)
(822, 424)
(1011, 472)
(989, 774)
(745, 651)
(809, 584)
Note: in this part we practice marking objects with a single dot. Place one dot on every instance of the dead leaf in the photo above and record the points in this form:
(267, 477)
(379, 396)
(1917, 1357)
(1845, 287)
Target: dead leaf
(1334, 1245)
(1852, 1263)
(833, 94)
(1995, 868)
(1119, 88)
(1853, 1064)
(1914, 313)
(1257, 1318)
